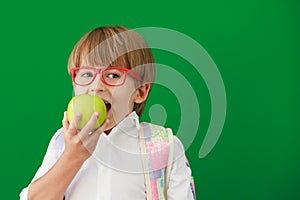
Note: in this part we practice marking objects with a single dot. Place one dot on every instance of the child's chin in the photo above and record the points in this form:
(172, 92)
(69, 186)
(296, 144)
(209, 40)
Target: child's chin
(110, 126)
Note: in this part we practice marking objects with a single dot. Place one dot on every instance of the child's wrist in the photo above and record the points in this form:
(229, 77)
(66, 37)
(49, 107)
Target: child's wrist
(72, 159)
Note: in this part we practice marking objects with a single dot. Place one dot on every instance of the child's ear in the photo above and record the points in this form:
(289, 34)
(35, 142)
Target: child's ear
(142, 93)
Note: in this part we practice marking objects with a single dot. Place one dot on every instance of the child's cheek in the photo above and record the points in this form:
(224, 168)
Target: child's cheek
(120, 105)
(81, 90)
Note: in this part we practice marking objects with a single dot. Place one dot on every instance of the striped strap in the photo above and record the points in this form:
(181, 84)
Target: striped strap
(157, 155)
(169, 164)
(145, 163)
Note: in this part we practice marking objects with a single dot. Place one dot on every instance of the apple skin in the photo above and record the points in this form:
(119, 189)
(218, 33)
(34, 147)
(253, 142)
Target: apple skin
(86, 105)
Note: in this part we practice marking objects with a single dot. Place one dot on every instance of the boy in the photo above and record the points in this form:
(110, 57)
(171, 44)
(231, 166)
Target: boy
(122, 159)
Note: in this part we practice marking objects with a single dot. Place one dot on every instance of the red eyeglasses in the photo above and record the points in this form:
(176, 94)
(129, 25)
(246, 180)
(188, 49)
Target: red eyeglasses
(112, 76)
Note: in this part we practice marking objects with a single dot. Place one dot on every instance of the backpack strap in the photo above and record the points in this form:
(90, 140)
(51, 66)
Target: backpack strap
(145, 164)
(156, 144)
(170, 161)
(192, 184)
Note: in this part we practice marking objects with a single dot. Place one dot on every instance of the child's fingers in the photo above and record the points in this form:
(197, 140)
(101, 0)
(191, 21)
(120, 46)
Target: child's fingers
(102, 127)
(89, 125)
(94, 136)
(74, 123)
(88, 136)
(65, 122)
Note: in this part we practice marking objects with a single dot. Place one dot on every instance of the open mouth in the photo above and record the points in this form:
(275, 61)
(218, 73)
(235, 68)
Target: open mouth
(108, 105)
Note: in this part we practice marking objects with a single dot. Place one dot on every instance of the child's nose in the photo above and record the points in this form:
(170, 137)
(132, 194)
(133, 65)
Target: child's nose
(97, 85)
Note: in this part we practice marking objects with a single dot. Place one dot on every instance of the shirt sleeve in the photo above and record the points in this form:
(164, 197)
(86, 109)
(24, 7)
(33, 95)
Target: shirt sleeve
(49, 160)
(181, 185)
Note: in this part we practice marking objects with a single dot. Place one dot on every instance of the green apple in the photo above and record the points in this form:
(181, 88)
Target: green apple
(86, 105)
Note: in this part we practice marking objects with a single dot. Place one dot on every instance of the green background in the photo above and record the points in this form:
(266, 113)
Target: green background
(255, 45)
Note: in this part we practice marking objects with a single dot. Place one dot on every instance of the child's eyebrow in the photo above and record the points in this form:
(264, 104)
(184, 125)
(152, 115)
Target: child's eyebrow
(113, 66)
(96, 67)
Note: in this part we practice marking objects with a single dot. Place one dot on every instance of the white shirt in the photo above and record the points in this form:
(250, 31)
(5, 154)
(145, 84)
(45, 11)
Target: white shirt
(114, 171)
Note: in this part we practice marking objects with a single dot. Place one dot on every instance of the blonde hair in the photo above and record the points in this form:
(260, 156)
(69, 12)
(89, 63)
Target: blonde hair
(115, 45)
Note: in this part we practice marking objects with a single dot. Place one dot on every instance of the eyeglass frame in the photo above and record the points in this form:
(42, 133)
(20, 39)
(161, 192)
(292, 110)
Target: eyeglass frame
(100, 70)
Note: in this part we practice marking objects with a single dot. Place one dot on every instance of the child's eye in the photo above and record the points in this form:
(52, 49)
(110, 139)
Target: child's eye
(84, 74)
(87, 75)
(113, 75)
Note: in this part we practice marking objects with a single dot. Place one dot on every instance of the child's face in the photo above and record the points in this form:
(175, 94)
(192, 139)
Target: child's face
(119, 99)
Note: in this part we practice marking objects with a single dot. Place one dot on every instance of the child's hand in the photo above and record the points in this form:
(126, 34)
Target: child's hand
(81, 144)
